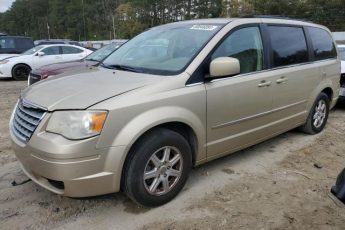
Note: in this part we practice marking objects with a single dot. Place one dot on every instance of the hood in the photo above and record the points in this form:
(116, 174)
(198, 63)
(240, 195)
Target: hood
(342, 66)
(6, 56)
(59, 68)
(80, 91)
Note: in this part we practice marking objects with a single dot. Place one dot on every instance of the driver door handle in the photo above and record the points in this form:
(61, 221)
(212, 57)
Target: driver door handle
(281, 80)
(265, 83)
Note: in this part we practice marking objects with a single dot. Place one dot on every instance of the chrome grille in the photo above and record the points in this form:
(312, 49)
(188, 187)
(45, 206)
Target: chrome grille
(25, 120)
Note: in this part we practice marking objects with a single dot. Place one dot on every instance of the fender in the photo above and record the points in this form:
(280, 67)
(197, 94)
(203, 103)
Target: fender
(142, 123)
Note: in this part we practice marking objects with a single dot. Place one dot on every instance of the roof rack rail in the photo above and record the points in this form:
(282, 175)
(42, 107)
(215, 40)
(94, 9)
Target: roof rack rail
(275, 17)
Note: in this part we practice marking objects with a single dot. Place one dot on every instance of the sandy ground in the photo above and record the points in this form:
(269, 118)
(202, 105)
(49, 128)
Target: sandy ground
(274, 185)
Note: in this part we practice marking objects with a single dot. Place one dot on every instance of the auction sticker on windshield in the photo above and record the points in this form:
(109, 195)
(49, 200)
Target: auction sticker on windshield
(203, 27)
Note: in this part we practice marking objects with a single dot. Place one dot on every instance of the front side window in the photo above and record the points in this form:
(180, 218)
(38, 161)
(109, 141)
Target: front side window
(53, 50)
(245, 45)
(71, 50)
(289, 45)
(164, 50)
(323, 45)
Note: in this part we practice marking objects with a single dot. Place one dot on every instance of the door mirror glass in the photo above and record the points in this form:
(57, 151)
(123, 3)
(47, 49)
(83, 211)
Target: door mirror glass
(40, 54)
(224, 67)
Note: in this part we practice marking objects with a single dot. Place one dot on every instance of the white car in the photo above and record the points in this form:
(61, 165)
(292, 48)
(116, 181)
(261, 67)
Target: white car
(19, 67)
(341, 49)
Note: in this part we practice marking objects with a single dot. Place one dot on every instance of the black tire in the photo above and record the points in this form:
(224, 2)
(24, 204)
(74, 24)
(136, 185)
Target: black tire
(310, 127)
(20, 72)
(136, 187)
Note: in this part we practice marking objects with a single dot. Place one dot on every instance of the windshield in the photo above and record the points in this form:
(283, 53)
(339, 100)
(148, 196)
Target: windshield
(164, 50)
(342, 53)
(102, 53)
(33, 50)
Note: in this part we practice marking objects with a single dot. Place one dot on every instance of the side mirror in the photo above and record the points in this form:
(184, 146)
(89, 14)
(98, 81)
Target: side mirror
(224, 67)
(40, 54)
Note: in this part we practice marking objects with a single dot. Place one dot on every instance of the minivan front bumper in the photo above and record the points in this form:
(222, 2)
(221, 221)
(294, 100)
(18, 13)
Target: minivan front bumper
(70, 168)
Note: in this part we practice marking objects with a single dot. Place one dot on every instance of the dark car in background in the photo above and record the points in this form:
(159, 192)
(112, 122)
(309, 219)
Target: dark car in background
(92, 60)
(10, 45)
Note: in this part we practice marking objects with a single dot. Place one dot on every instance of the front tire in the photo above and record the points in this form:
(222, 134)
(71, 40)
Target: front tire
(158, 168)
(318, 115)
(20, 72)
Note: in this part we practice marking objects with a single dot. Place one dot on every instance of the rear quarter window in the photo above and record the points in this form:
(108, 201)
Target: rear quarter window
(323, 46)
(288, 44)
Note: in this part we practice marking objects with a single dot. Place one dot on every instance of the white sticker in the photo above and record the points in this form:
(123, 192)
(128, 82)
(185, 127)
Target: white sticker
(204, 27)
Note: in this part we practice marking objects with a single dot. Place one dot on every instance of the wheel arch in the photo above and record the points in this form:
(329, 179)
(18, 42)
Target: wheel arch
(325, 87)
(329, 92)
(14, 66)
(182, 128)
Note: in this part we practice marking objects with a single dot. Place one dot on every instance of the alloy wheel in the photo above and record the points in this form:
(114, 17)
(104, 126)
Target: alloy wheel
(320, 114)
(163, 170)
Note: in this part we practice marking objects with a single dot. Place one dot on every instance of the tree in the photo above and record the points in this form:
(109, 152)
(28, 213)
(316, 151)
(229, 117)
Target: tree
(130, 17)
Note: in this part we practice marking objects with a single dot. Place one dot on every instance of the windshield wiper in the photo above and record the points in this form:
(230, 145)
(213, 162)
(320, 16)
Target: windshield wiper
(123, 67)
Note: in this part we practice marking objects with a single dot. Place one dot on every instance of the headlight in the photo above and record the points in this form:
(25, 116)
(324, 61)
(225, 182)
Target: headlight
(77, 125)
(3, 62)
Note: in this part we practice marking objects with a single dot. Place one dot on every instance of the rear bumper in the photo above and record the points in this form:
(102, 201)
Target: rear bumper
(77, 169)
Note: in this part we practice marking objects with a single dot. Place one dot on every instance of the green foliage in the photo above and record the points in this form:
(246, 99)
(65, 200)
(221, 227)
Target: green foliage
(96, 20)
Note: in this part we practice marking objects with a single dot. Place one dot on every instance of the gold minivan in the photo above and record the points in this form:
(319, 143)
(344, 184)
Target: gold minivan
(174, 97)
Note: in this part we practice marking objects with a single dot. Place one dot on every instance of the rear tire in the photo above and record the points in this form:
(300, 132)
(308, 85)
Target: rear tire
(158, 168)
(318, 115)
(20, 72)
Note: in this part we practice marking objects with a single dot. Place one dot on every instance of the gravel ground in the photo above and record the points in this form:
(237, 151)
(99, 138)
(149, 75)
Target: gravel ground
(273, 185)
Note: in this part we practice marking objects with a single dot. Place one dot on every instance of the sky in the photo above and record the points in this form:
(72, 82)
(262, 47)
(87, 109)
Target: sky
(5, 4)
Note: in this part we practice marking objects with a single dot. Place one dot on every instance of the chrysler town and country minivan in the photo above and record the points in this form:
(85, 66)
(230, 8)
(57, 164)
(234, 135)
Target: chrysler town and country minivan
(139, 124)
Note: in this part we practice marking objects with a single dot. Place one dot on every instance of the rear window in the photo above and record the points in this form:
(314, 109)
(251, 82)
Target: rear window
(289, 45)
(24, 43)
(323, 45)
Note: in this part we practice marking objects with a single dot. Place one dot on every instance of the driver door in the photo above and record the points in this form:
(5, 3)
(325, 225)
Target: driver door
(52, 55)
(238, 107)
